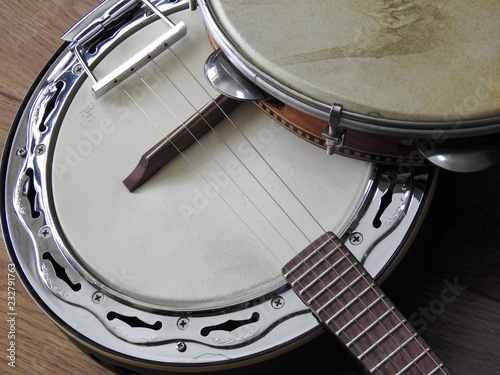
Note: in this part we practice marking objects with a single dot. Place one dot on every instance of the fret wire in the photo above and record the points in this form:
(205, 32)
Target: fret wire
(357, 297)
(414, 360)
(351, 302)
(394, 312)
(346, 255)
(387, 358)
(382, 338)
(367, 328)
(318, 278)
(303, 261)
(331, 240)
(399, 348)
(339, 277)
(438, 368)
(317, 264)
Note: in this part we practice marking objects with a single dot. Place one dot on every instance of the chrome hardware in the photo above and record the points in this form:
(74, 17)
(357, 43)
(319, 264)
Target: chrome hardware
(98, 19)
(98, 298)
(356, 238)
(103, 16)
(21, 152)
(182, 323)
(78, 69)
(334, 133)
(278, 302)
(226, 79)
(193, 5)
(40, 149)
(45, 232)
(461, 155)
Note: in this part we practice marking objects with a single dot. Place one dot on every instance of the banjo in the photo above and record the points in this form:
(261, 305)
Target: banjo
(391, 82)
(187, 273)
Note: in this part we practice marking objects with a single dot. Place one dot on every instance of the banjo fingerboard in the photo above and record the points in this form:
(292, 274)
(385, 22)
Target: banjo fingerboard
(330, 280)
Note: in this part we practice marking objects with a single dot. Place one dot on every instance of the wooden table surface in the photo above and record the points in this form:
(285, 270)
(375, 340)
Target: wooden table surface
(458, 245)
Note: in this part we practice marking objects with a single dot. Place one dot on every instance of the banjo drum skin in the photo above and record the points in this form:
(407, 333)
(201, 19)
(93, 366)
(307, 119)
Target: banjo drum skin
(185, 273)
(373, 81)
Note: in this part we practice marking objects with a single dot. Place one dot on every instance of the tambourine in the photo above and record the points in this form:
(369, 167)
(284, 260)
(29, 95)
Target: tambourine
(185, 273)
(396, 83)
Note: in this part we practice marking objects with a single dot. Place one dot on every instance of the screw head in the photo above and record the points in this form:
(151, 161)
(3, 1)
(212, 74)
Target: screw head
(181, 347)
(278, 302)
(21, 152)
(45, 232)
(182, 323)
(98, 298)
(40, 149)
(356, 238)
(77, 69)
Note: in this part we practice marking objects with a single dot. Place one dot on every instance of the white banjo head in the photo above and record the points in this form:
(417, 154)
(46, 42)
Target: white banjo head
(156, 276)
(425, 66)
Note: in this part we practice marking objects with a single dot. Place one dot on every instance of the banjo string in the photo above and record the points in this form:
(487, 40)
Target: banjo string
(233, 152)
(207, 152)
(199, 172)
(258, 153)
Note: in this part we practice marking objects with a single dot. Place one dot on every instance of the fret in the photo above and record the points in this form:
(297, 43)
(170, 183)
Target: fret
(323, 259)
(347, 300)
(350, 303)
(440, 367)
(399, 348)
(376, 343)
(309, 256)
(414, 361)
(327, 287)
(322, 275)
(377, 321)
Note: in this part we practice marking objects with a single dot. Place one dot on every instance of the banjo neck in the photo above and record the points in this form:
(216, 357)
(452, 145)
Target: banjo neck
(345, 298)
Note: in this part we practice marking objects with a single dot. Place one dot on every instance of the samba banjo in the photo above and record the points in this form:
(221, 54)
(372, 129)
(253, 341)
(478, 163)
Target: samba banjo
(391, 82)
(186, 272)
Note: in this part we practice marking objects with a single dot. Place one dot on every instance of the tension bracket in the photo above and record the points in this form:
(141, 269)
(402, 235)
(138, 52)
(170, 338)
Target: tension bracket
(334, 133)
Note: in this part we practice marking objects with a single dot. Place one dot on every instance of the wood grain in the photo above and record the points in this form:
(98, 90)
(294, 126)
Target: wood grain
(460, 240)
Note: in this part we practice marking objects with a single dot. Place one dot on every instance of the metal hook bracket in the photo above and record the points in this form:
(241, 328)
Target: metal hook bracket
(334, 133)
